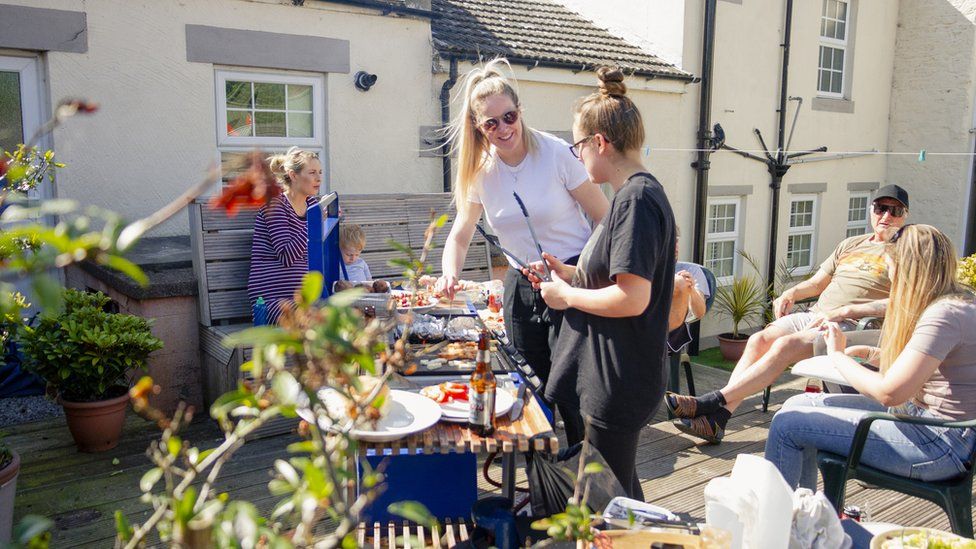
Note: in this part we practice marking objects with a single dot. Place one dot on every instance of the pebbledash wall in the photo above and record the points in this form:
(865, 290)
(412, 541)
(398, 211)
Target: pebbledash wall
(152, 64)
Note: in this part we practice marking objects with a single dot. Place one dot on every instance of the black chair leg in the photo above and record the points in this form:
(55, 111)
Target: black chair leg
(674, 382)
(766, 391)
(834, 481)
(688, 375)
(958, 504)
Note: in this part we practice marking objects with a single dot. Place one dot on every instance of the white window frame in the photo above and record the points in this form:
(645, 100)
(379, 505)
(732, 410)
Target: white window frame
(735, 235)
(866, 223)
(835, 43)
(805, 229)
(244, 144)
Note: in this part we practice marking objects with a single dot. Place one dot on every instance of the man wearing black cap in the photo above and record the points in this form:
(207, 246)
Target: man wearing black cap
(851, 284)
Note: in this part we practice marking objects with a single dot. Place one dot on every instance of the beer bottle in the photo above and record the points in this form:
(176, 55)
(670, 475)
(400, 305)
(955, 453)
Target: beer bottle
(481, 419)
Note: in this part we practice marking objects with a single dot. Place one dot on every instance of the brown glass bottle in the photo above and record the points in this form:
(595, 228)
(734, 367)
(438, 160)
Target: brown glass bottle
(481, 419)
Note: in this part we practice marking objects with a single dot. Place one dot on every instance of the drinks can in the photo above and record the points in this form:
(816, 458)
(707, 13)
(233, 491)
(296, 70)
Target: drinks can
(852, 512)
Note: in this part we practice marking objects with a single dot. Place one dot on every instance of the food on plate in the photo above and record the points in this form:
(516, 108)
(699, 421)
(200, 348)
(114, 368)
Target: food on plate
(408, 300)
(459, 350)
(494, 321)
(447, 392)
(930, 540)
(377, 408)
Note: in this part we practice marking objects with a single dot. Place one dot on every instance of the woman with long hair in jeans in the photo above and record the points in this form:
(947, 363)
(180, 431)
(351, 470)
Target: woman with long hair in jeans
(927, 368)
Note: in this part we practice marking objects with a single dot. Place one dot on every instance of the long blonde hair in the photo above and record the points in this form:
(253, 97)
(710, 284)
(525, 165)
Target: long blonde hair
(294, 160)
(463, 136)
(925, 271)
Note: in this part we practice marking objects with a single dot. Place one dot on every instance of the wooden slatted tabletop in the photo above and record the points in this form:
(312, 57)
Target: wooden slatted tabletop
(510, 436)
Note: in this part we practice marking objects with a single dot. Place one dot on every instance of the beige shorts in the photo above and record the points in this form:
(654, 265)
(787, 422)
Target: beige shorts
(797, 322)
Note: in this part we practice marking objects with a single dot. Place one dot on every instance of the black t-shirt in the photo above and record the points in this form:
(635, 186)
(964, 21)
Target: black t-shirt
(614, 368)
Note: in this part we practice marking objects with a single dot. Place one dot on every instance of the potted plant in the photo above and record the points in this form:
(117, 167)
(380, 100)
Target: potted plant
(742, 300)
(9, 469)
(86, 355)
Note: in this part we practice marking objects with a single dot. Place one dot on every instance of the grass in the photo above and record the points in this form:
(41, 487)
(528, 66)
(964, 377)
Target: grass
(713, 358)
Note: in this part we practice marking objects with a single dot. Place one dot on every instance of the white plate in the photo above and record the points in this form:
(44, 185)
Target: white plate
(459, 410)
(878, 541)
(423, 309)
(409, 413)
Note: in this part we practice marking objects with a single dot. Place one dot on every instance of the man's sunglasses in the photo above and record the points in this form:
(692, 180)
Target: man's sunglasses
(895, 211)
(491, 124)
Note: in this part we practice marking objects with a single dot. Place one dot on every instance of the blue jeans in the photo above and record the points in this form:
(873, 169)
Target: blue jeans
(820, 421)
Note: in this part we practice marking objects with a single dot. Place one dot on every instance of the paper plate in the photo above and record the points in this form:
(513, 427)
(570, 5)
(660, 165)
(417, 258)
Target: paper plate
(459, 410)
(892, 539)
(409, 413)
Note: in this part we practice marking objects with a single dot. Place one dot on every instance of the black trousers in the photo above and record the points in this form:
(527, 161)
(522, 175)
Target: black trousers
(533, 329)
(619, 450)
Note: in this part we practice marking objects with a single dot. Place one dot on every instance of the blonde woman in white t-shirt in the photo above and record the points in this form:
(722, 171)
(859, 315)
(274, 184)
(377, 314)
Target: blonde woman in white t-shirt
(498, 154)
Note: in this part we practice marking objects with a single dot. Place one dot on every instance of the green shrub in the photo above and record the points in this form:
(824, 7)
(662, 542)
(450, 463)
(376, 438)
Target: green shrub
(86, 352)
(967, 271)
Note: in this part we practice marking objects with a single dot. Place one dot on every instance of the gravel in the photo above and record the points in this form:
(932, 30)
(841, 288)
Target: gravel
(16, 410)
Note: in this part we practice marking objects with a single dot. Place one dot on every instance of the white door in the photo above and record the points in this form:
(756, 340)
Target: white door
(20, 116)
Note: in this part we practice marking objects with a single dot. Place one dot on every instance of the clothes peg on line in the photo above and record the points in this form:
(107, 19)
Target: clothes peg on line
(921, 155)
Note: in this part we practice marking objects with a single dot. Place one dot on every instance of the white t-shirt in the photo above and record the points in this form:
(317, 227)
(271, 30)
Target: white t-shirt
(543, 181)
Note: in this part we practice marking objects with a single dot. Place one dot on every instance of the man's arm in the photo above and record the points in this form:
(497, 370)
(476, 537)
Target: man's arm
(811, 287)
(853, 312)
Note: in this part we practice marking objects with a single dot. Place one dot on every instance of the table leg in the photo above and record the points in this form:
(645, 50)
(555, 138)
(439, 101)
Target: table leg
(508, 475)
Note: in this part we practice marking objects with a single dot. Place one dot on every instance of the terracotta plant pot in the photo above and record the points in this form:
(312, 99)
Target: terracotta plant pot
(732, 348)
(96, 426)
(8, 488)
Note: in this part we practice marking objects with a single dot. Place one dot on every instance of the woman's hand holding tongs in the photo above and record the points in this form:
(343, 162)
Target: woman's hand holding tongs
(564, 271)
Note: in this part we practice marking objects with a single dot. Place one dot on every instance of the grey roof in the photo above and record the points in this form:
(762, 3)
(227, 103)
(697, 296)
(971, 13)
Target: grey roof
(542, 32)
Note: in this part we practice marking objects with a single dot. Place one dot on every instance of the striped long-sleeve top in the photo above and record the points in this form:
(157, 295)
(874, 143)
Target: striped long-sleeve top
(279, 255)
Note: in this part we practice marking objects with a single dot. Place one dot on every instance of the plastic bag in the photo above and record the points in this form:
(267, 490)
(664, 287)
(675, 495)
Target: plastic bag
(552, 477)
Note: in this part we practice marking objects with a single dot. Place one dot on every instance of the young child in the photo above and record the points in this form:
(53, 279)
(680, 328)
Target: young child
(352, 240)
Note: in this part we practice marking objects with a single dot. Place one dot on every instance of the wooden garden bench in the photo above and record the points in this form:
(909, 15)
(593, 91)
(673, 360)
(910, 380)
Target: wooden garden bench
(221, 247)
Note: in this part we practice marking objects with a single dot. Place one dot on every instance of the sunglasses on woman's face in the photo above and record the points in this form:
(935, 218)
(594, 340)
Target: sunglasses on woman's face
(491, 124)
(895, 211)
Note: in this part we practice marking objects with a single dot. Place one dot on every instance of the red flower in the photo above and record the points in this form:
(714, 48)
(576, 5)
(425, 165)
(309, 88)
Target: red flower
(3, 166)
(254, 188)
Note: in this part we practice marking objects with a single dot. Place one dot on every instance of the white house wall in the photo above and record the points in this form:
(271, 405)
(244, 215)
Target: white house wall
(155, 135)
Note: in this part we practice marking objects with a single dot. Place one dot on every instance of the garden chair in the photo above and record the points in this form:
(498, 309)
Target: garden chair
(953, 495)
(680, 357)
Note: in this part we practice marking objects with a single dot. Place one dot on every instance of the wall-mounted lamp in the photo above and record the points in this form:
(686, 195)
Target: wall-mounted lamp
(364, 80)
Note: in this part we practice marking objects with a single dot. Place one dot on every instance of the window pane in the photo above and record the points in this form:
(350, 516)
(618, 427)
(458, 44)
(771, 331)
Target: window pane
(801, 213)
(238, 94)
(269, 124)
(299, 98)
(824, 84)
(831, 28)
(838, 64)
(842, 11)
(239, 124)
(798, 249)
(837, 82)
(269, 96)
(841, 31)
(299, 124)
(11, 111)
(855, 231)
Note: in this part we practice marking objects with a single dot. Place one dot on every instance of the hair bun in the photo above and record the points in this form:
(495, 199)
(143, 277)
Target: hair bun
(611, 81)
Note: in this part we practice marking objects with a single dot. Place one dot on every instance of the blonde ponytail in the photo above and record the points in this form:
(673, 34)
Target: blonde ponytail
(292, 161)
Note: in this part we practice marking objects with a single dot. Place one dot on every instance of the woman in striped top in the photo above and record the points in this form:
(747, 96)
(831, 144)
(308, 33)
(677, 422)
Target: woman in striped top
(279, 252)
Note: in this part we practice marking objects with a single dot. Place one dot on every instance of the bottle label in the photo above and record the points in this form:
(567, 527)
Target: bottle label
(480, 404)
(483, 356)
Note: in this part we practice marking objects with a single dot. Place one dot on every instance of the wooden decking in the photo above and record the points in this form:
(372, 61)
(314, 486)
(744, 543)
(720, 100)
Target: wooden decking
(80, 492)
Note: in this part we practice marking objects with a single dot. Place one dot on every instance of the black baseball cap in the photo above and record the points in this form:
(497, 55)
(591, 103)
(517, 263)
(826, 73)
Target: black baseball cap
(892, 191)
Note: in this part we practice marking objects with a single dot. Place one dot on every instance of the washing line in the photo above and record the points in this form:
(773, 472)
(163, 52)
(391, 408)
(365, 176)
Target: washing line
(922, 153)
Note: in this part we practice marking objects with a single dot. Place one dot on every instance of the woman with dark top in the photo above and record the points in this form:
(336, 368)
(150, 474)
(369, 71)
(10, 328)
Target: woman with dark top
(610, 357)
(498, 154)
(927, 360)
(279, 251)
